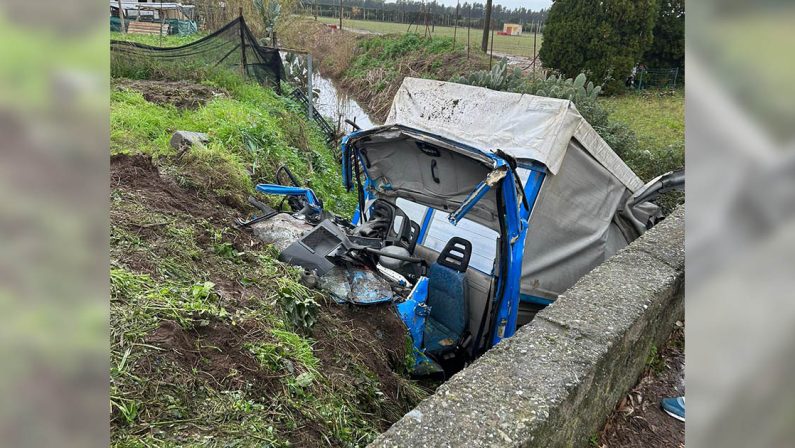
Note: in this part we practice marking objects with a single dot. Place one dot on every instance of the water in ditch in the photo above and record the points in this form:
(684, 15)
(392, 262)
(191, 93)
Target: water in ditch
(334, 104)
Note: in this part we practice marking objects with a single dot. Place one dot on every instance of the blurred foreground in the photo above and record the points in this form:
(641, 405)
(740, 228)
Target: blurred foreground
(740, 224)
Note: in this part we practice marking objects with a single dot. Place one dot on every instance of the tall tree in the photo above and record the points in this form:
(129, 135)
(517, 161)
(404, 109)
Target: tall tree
(604, 39)
(668, 47)
(484, 45)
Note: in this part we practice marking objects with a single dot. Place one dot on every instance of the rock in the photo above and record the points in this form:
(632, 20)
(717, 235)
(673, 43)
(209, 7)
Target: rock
(182, 140)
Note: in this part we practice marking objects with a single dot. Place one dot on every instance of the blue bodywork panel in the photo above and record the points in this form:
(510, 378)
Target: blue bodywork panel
(311, 199)
(413, 313)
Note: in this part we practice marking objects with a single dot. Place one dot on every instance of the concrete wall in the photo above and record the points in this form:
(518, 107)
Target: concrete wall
(554, 383)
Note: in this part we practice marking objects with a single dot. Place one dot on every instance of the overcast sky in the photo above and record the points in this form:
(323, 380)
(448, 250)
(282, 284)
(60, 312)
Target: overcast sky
(535, 5)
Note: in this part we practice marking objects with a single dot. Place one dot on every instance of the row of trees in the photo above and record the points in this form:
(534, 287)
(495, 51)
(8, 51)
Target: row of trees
(407, 11)
(606, 39)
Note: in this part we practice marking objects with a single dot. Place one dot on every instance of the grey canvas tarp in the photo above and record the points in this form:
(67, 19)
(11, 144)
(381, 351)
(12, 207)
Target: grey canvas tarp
(579, 219)
(573, 227)
(527, 127)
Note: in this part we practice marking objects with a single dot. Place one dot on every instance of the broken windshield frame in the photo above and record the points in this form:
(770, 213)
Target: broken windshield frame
(515, 211)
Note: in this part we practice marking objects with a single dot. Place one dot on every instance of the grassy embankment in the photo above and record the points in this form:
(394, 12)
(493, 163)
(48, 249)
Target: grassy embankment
(658, 120)
(514, 45)
(371, 67)
(211, 342)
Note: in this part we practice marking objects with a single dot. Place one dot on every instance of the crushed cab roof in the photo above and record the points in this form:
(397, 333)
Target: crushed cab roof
(527, 127)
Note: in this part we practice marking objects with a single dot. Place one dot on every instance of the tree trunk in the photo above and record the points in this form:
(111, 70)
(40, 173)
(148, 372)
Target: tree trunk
(123, 28)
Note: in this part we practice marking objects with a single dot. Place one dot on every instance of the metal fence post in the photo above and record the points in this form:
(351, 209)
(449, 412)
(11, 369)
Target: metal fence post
(309, 93)
(243, 61)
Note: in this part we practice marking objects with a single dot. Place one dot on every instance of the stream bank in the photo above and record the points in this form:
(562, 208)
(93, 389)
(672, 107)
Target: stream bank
(370, 68)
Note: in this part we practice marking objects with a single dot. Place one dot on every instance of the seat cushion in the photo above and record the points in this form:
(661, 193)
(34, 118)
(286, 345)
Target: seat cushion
(438, 338)
(447, 298)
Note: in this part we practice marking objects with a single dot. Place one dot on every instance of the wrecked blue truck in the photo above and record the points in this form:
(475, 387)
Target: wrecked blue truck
(476, 209)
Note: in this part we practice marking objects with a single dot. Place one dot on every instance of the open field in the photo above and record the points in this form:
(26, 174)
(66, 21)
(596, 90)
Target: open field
(658, 120)
(513, 45)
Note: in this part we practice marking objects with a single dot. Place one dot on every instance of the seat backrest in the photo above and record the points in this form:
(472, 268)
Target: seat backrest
(447, 286)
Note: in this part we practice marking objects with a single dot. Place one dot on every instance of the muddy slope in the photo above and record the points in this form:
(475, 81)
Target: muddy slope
(184, 370)
(180, 94)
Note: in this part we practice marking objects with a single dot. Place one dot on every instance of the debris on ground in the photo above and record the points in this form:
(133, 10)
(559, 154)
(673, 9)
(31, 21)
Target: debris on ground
(638, 421)
(180, 94)
(202, 347)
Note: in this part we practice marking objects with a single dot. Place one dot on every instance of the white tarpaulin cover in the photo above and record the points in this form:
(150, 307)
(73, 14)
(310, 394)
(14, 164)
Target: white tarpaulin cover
(527, 127)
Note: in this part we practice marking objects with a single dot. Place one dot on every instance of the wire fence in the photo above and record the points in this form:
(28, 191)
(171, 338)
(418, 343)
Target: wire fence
(656, 78)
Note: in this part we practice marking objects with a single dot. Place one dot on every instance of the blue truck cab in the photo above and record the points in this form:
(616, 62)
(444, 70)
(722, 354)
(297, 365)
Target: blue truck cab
(481, 207)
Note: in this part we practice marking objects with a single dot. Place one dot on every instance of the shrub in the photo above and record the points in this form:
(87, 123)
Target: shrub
(604, 39)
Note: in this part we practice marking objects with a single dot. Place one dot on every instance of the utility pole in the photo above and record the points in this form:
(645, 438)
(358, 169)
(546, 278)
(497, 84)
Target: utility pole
(243, 61)
(310, 94)
(469, 26)
(163, 23)
(340, 15)
(425, 18)
(455, 20)
(484, 45)
(535, 55)
(492, 47)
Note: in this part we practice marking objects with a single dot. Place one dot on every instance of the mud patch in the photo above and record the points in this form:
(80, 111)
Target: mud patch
(137, 173)
(193, 376)
(180, 94)
(638, 420)
(216, 350)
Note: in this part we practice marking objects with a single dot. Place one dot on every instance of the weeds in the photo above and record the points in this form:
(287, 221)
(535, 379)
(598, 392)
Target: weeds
(252, 133)
(210, 334)
(380, 63)
(654, 361)
(184, 298)
(298, 304)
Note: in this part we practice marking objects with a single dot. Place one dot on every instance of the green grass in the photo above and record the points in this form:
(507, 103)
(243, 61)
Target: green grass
(220, 298)
(381, 53)
(513, 45)
(744, 54)
(252, 132)
(658, 120)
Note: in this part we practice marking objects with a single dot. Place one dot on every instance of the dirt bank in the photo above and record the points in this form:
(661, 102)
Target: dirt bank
(371, 68)
(180, 94)
(201, 349)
